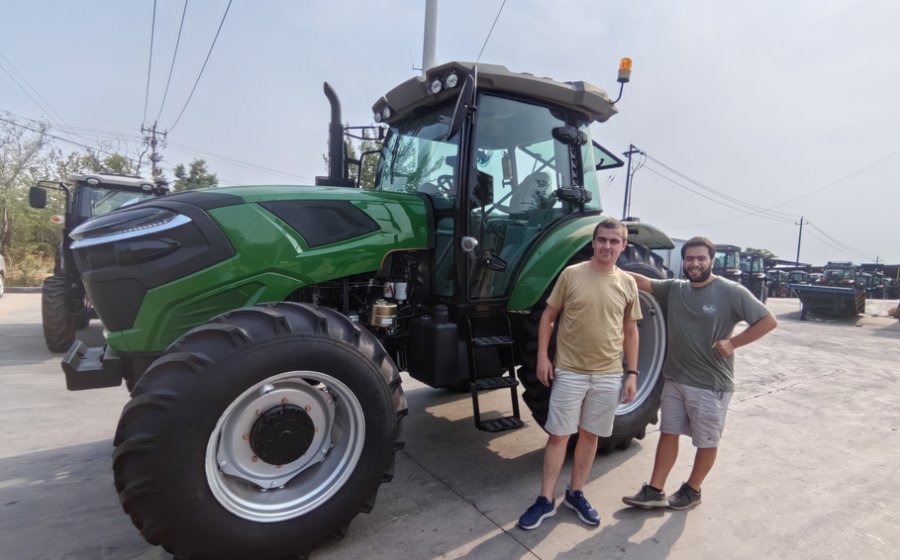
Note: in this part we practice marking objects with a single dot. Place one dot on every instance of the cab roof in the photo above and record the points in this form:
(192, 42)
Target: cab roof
(415, 92)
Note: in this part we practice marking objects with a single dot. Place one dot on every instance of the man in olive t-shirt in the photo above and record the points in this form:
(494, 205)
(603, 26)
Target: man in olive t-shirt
(701, 314)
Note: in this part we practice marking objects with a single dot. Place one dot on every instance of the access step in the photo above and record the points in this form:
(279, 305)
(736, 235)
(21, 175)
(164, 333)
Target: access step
(492, 341)
(492, 383)
(501, 424)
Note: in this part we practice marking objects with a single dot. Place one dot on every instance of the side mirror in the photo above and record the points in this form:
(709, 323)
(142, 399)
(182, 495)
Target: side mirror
(570, 135)
(369, 182)
(37, 198)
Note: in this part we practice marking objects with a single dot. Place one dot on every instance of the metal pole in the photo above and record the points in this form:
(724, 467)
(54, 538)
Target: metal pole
(626, 208)
(428, 44)
(799, 237)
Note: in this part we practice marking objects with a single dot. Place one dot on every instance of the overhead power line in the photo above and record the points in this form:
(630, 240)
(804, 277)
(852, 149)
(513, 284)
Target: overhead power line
(840, 250)
(839, 244)
(96, 149)
(149, 62)
(172, 66)
(489, 32)
(40, 101)
(221, 23)
(751, 207)
(842, 179)
(744, 209)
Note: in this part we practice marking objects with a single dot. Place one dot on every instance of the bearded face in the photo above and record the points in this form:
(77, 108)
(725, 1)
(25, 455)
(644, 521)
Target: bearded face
(697, 265)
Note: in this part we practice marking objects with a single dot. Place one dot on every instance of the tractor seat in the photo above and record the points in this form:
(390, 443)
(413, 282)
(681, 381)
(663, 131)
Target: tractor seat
(531, 194)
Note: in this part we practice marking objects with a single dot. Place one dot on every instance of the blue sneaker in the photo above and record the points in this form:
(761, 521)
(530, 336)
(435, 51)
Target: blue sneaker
(542, 509)
(577, 502)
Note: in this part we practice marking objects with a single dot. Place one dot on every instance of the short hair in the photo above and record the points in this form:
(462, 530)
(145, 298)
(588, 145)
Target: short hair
(612, 223)
(699, 241)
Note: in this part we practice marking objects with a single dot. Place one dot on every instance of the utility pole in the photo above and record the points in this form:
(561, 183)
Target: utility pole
(428, 44)
(626, 208)
(799, 237)
(155, 158)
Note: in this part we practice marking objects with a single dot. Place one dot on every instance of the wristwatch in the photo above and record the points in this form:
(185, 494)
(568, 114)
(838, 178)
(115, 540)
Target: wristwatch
(632, 372)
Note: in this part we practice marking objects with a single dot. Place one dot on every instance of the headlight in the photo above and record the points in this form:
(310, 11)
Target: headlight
(125, 225)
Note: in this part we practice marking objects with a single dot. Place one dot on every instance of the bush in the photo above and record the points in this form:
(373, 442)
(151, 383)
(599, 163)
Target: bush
(28, 269)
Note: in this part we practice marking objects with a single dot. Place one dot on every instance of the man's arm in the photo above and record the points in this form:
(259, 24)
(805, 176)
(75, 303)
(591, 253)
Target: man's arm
(545, 330)
(752, 333)
(631, 346)
(643, 283)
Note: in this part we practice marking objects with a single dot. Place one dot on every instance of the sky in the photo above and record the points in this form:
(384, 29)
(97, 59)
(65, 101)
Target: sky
(751, 115)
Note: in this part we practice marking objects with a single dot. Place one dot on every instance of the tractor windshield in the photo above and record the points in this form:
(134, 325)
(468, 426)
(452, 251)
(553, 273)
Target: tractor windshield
(417, 157)
(98, 200)
(726, 259)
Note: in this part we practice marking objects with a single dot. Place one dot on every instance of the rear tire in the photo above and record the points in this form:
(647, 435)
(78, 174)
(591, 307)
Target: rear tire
(58, 321)
(269, 428)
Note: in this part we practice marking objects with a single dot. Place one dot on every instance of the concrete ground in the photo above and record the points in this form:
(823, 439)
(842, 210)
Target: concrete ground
(808, 468)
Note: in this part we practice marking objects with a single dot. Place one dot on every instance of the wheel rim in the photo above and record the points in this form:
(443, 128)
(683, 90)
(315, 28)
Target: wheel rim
(651, 354)
(319, 423)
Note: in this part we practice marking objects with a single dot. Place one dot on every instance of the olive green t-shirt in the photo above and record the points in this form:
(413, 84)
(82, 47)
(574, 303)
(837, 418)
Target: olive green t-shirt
(594, 309)
(697, 317)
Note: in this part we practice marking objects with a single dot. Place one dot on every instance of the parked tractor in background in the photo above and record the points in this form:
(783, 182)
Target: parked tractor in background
(777, 281)
(753, 276)
(836, 294)
(728, 262)
(262, 329)
(64, 303)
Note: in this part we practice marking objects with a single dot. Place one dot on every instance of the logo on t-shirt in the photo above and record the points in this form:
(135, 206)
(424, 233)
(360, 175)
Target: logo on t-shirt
(709, 309)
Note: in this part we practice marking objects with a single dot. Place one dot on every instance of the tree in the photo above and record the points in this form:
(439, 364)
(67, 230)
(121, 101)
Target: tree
(198, 177)
(24, 156)
(360, 171)
(764, 253)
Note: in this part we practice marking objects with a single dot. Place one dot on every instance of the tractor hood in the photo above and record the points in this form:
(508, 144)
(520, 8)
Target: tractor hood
(181, 257)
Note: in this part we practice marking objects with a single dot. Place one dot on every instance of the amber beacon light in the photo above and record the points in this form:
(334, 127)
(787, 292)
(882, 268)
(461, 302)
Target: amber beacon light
(624, 76)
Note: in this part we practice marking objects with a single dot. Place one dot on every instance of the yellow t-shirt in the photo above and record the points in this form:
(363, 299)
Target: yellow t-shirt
(594, 307)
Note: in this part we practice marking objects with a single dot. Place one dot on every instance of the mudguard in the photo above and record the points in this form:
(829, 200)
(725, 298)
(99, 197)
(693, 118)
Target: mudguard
(555, 250)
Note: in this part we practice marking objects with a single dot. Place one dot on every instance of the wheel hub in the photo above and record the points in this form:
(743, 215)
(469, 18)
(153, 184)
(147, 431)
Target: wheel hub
(282, 434)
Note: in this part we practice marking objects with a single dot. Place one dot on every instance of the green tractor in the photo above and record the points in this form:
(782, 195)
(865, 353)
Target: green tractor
(262, 330)
(65, 306)
(728, 262)
(753, 275)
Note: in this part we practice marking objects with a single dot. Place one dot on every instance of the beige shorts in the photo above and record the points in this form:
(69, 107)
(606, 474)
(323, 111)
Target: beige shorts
(586, 401)
(695, 412)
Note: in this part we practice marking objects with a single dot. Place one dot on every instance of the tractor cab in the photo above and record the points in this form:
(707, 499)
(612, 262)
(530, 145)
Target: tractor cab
(499, 157)
(839, 274)
(728, 262)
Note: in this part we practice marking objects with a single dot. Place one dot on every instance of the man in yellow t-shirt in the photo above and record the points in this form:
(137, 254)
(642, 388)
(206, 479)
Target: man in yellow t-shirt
(600, 309)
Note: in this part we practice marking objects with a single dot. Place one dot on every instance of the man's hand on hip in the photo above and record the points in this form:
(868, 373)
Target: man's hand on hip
(724, 348)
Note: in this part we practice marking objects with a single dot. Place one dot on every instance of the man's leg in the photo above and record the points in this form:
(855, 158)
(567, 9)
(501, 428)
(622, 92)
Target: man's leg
(585, 453)
(554, 457)
(703, 463)
(666, 453)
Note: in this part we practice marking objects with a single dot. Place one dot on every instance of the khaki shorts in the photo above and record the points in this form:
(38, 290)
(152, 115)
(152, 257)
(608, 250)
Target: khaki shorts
(695, 412)
(586, 401)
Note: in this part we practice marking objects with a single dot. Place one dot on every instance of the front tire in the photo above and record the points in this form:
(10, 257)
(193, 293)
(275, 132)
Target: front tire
(267, 429)
(58, 321)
